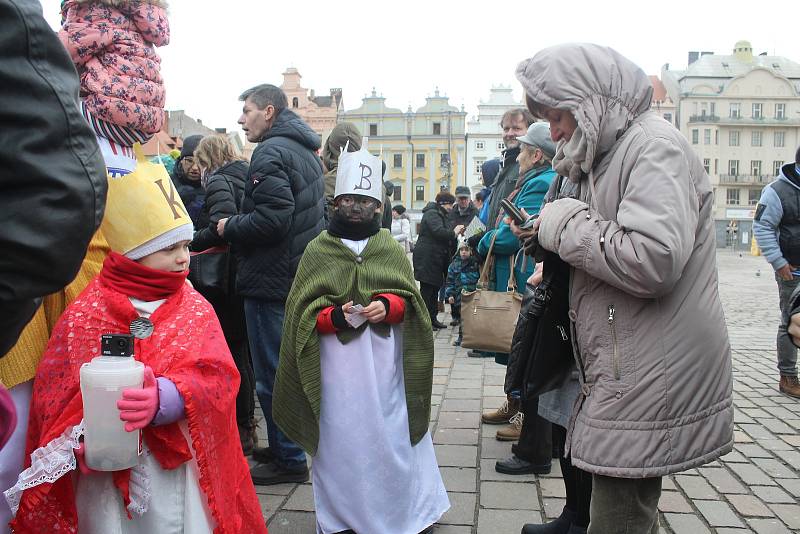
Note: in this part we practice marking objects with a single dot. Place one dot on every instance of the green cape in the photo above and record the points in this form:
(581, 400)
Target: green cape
(329, 274)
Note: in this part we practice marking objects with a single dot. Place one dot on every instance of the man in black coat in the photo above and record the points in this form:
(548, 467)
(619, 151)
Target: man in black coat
(464, 210)
(282, 211)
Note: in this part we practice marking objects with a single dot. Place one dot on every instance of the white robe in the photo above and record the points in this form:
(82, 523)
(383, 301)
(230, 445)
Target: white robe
(366, 475)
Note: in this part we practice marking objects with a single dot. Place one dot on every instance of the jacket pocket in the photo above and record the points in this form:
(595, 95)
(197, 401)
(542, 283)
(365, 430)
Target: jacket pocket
(614, 341)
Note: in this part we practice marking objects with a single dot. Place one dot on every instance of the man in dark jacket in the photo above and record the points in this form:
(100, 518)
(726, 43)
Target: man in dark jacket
(282, 211)
(464, 210)
(515, 124)
(52, 176)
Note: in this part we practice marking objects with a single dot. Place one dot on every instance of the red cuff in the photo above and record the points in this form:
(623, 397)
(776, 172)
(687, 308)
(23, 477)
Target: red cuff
(397, 307)
(325, 321)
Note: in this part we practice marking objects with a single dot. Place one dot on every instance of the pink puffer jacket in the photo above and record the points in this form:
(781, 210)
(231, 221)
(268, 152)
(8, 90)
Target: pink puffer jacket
(112, 43)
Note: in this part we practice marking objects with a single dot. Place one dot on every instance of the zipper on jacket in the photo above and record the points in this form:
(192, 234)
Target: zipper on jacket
(615, 355)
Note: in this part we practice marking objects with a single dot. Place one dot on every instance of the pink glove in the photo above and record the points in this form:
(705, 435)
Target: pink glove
(138, 407)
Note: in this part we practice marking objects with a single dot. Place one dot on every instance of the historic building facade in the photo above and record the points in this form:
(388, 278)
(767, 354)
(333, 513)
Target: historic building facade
(423, 149)
(741, 113)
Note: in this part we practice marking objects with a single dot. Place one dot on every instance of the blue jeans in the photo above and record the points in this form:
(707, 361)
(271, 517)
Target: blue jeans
(264, 328)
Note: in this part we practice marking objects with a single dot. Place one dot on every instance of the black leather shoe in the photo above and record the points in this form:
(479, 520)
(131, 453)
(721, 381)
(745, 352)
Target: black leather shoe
(437, 325)
(263, 455)
(517, 466)
(560, 525)
(455, 322)
(270, 474)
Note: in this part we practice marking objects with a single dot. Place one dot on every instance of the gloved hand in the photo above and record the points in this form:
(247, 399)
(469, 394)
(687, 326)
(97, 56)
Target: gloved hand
(80, 459)
(138, 407)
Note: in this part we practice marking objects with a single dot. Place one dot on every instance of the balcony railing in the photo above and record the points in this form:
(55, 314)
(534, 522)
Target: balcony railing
(704, 118)
(744, 121)
(746, 179)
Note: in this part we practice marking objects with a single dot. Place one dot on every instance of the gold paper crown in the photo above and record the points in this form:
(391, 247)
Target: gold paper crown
(141, 206)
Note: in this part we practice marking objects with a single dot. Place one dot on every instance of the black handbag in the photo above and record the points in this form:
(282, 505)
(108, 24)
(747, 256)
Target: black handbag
(210, 269)
(541, 357)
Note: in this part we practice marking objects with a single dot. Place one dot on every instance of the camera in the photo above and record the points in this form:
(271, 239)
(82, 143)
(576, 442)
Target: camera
(116, 345)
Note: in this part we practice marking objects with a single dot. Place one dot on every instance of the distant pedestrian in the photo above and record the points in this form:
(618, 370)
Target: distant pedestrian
(186, 176)
(401, 227)
(436, 244)
(776, 227)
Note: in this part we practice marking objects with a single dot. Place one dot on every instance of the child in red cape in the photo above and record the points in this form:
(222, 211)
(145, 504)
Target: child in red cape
(191, 476)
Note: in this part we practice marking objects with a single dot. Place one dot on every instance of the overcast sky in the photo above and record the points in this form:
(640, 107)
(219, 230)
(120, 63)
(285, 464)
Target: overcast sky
(405, 49)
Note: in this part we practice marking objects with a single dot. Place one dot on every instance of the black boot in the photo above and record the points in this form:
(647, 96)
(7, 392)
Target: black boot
(560, 525)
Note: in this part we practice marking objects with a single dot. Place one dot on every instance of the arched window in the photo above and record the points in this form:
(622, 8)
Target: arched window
(295, 102)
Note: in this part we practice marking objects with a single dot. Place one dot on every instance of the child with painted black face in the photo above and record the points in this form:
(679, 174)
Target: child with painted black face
(355, 371)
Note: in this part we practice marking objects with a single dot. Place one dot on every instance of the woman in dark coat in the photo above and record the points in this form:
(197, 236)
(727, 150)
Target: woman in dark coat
(435, 247)
(186, 178)
(224, 177)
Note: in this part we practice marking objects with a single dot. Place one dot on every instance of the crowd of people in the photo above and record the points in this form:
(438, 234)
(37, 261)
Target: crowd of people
(303, 295)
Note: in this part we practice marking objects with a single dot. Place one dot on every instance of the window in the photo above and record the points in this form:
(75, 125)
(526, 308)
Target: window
(668, 117)
(437, 128)
(755, 138)
(420, 161)
(753, 196)
(295, 102)
(419, 193)
(707, 136)
(755, 167)
(444, 160)
(695, 136)
(776, 167)
(712, 108)
(733, 197)
(733, 138)
(757, 111)
(373, 130)
(780, 139)
(735, 110)
(479, 145)
(780, 111)
(716, 165)
(707, 165)
(501, 146)
(716, 137)
(478, 164)
(733, 167)
(397, 194)
(397, 161)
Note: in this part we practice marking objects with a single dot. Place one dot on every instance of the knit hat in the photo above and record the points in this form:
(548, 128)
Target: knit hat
(190, 145)
(538, 136)
(144, 213)
(359, 173)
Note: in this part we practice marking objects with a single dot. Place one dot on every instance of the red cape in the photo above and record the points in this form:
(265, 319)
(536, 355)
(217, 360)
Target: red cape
(188, 347)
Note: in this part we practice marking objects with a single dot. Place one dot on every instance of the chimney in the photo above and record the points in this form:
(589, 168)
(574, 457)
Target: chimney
(199, 121)
(693, 57)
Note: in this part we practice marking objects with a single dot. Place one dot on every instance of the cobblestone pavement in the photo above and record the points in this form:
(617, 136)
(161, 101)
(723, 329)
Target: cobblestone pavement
(754, 489)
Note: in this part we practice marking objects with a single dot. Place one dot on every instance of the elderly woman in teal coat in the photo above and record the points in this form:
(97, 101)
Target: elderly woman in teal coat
(536, 175)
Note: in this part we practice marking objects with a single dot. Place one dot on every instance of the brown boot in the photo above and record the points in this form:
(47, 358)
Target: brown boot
(790, 386)
(512, 431)
(503, 414)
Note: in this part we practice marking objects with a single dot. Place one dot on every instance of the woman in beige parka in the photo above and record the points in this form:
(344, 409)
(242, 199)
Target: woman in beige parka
(649, 330)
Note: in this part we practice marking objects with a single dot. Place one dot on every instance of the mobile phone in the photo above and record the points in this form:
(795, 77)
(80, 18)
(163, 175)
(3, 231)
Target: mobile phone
(513, 212)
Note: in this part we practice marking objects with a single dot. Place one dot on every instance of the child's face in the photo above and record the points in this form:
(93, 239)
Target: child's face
(465, 253)
(172, 259)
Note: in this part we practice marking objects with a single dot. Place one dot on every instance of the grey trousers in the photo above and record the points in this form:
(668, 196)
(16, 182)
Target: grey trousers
(624, 505)
(787, 352)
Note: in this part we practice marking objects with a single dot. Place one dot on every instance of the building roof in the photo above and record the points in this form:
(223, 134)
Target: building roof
(730, 66)
(659, 91)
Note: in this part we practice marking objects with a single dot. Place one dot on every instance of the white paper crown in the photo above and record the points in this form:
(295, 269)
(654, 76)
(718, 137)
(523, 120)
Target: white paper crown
(359, 173)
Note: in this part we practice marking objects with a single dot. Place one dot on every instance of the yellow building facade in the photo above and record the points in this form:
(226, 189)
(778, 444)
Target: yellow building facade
(423, 149)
